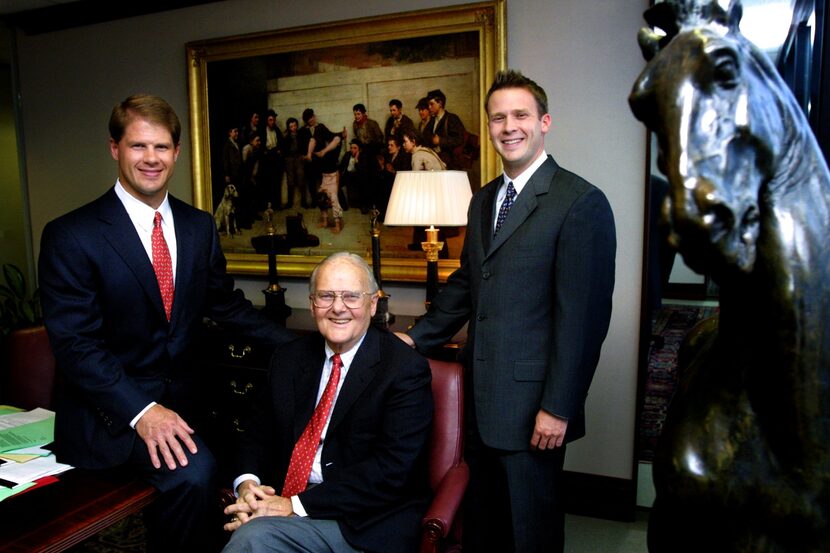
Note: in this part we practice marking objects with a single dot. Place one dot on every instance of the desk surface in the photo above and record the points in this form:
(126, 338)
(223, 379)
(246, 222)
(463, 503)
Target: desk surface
(63, 514)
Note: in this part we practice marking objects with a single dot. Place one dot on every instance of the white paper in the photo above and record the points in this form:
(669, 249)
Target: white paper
(13, 420)
(32, 470)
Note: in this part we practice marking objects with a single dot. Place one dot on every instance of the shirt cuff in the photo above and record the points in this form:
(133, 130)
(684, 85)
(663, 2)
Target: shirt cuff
(141, 414)
(297, 506)
(242, 478)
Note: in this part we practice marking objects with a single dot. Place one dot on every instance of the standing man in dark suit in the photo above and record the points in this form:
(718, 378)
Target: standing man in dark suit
(125, 283)
(273, 163)
(445, 131)
(231, 160)
(363, 486)
(535, 284)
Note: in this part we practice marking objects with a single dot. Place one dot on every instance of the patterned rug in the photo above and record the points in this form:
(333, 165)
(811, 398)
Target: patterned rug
(670, 326)
(125, 536)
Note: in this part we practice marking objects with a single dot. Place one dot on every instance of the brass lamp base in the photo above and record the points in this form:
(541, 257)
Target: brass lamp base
(432, 246)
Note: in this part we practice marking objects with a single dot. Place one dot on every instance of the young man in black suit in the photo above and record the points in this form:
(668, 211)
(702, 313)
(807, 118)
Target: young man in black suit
(445, 131)
(535, 284)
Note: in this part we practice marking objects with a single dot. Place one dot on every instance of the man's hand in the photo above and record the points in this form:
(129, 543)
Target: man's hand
(256, 501)
(549, 432)
(165, 431)
(406, 339)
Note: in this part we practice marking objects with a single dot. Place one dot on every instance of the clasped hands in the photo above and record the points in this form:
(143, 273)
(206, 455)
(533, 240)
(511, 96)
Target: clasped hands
(256, 500)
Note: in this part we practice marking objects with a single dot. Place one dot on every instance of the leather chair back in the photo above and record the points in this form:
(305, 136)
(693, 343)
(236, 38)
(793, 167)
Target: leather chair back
(447, 441)
(448, 473)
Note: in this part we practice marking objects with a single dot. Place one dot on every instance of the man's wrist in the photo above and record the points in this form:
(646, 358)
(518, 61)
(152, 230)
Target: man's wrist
(241, 480)
(141, 414)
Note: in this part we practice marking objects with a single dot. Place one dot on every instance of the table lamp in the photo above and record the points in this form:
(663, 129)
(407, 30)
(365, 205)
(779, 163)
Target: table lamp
(427, 199)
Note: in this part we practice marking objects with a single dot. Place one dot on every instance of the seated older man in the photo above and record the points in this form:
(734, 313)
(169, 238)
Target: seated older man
(343, 430)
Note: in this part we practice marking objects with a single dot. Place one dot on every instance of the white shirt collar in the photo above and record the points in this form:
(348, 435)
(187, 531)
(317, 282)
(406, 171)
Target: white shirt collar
(140, 213)
(520, 181)
(347, 356)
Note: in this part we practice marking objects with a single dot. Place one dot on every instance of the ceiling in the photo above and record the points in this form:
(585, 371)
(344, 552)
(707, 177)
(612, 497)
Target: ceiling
(14, 6)
(43, 16)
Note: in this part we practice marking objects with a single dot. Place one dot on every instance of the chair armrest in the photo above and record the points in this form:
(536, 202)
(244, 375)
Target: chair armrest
(441, 512)
(226, 497)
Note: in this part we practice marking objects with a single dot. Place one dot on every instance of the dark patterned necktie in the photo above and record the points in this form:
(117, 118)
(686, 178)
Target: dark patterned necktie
(162, 265)
(505, 206)
(302, 458)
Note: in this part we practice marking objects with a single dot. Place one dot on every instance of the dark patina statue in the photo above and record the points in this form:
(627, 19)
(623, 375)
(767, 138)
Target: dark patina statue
(744, 461)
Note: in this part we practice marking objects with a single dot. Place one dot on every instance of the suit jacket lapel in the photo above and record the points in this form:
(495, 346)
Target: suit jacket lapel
(121, 235)
(306, 385)
(185, 250)
(488, 207)
(526, 202)
(361, 372)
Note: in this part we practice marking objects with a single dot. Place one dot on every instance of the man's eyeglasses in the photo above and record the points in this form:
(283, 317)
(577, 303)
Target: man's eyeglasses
(325, 298)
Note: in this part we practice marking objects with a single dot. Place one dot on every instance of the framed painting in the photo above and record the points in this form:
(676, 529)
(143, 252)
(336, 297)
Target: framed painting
(279, 77)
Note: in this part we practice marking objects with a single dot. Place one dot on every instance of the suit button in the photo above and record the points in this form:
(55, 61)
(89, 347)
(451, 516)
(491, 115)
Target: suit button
(485, 275)
(480, 317)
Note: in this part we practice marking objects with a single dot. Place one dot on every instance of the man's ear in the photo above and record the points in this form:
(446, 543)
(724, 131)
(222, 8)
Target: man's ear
(546, 122)
(114, 149)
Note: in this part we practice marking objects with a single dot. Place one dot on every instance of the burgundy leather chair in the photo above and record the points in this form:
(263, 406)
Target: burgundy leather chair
(448, 473)
(31, 370)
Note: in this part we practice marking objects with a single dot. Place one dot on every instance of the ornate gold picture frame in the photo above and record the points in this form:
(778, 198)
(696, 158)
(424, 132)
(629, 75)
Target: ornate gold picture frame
(330, 67)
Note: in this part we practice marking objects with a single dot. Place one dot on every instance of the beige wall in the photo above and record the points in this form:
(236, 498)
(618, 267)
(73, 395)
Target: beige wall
(584, 54)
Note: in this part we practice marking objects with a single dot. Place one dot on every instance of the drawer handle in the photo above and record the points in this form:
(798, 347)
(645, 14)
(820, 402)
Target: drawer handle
(244, 391)
(245, 351)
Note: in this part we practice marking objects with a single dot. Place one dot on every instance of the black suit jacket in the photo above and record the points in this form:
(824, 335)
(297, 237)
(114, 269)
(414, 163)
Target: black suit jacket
(405, 124)
(450, 129)
(115, 350)
(374, 459)
(538, 300)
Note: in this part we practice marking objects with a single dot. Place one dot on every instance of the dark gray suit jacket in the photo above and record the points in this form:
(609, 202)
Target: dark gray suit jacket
(538, 300)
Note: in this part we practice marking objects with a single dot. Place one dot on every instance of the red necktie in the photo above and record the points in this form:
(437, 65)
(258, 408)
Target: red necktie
(302, 457)
(162, 265)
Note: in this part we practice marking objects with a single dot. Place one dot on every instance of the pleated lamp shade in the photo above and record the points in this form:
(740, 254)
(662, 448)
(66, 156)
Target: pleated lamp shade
(425, 198)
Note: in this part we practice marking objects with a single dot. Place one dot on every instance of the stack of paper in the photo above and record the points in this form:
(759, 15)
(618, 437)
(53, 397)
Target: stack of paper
(23, 461)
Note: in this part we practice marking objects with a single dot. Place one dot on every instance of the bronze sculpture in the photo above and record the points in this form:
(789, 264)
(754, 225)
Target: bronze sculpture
(744, 461)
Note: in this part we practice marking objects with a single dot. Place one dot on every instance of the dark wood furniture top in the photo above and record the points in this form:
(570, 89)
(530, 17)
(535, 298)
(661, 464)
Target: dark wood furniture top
(63, 514)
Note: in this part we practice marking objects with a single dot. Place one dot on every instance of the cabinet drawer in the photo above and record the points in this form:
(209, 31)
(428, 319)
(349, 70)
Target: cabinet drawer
(219, 347)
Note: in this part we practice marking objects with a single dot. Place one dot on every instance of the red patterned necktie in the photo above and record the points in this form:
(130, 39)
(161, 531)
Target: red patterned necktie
(305, 449)
(162, 265)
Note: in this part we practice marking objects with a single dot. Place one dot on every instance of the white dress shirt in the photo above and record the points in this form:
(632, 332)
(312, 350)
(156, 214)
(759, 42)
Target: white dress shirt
(142, 216)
